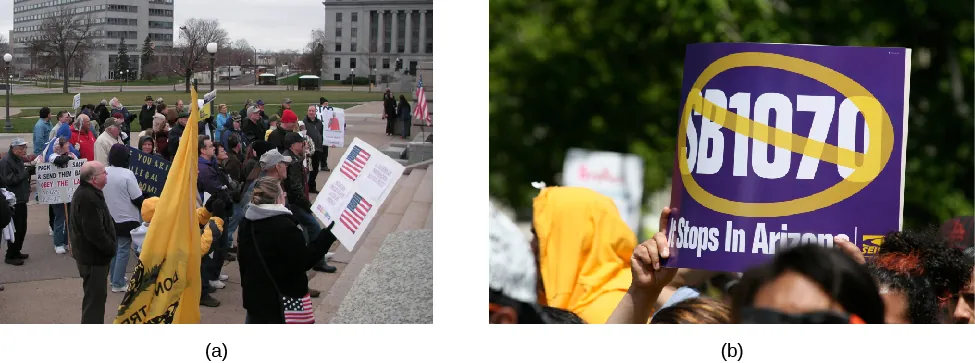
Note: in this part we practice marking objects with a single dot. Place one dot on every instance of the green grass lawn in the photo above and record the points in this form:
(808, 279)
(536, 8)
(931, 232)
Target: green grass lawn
(163, 81)
(135, 99)
(24, 121)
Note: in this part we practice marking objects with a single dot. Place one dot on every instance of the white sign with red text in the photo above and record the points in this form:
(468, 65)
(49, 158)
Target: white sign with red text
(57, 185)
(615, 175)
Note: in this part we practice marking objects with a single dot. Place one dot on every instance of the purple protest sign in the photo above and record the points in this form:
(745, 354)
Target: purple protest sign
(782, 145)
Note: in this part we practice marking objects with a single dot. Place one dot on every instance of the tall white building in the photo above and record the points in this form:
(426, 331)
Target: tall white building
(116, 19)
(369, 36)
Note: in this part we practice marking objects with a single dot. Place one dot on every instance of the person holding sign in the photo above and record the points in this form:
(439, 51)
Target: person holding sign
(83, 138)
(60, 157)
(314, 126)
(296, 184)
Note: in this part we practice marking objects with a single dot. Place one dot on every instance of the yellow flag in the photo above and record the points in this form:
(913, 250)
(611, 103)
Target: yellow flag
(165, 287)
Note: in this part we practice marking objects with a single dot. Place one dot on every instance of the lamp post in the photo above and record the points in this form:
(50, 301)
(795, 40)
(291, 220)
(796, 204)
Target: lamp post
(212, 49)
(353, 79)
(372, 79)
(6, 75)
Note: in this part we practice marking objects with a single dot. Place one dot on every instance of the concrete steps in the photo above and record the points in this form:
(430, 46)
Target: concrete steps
(408, 207)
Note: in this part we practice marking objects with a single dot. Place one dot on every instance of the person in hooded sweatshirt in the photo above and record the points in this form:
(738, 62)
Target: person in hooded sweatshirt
(273, 257)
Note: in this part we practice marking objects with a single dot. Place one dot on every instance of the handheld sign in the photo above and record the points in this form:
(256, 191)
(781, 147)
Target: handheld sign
(150, 171)
(57, 185)
(76, 102)
(618, 176)
(355, 190)
(781, 145)
(333, 127)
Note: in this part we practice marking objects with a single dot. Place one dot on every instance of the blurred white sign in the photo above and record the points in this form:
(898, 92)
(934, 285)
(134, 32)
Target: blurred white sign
(615, 175)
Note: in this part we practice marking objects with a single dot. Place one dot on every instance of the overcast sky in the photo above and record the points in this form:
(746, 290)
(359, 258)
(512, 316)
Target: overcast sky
(266, 24)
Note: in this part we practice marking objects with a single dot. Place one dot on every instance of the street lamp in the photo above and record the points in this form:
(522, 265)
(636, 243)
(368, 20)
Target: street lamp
(6, 75)
(212, 49)
(353, 79)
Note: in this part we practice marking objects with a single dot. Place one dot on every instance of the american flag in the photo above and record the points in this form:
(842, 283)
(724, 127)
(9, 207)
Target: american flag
(298, 311)
(355, 213)
(355, 162)
(420, 111)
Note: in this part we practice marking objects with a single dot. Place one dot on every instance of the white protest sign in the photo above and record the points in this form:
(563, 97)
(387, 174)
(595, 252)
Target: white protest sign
(209, 97)
(333, 127)
(356, 189)
(618, 176)
(57, 185)
(76, 102)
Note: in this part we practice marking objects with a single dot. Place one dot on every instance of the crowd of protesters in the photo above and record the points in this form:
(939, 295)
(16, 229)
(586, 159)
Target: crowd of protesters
(582, 264)
(257, 177)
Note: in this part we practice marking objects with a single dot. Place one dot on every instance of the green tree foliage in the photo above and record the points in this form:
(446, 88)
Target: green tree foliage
(122, 61)
(147, 58)
(607, 75)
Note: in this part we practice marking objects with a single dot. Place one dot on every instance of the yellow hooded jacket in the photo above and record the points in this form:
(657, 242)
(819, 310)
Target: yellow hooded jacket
(212, 226)
(584, 250)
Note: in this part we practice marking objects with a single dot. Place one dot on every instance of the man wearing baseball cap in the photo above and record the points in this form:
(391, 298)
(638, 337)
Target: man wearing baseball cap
(264, 117)
(285, 105)
(253, 126)
(289, 122)
(16, 178)
(296, 187)
(172, 143)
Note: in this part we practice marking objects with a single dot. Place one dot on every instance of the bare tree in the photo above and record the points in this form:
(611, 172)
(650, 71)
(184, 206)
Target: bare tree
(315, 52)
(4, 44)
(82, 62)
(66, 35)
(194, 36)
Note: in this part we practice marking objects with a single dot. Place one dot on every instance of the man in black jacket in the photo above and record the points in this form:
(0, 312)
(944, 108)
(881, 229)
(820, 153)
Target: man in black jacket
(175, 133)
(315, 128)
(145, 115)
(253, 126)
(296, 186)
(92, 232)
(16, 178)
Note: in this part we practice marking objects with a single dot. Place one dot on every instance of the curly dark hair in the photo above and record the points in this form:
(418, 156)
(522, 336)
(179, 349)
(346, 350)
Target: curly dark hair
(947, 269)
(699, 310)
(559, 316)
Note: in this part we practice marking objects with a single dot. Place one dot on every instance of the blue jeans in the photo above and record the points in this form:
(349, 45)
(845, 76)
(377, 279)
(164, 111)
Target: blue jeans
(116, 270)
(59, 225)
(234, 222)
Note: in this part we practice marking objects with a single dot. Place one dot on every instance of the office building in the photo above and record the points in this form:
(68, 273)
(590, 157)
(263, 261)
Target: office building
(132, 20)
(369, 36)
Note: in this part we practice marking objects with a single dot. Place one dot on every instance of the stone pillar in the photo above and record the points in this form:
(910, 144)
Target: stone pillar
(423, 31)
(394, 33)
(381, 32)
(408, 38)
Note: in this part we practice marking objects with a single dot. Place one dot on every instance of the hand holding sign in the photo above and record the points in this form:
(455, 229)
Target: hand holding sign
(645, 262)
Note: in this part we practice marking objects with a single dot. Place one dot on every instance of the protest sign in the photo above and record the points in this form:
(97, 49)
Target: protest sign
(57, 185)
(76, 102)
(618, 176)
(150, 170)
(333, 130)
(797, 144)
(352, 195)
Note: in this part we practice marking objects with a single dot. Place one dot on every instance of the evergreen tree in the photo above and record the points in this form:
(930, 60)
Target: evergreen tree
(122, 63)
(147, 58)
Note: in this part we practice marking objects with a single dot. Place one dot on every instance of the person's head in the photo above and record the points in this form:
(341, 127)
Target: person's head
(18, 146)
(236, 123)
(161, 108)
(184, 117)
(511, 267)
(286, 104)
(257, 149)
(159, 122)
(919, 272)
(206, 147)
(962, 305)
(62, 146)
(103, 103)
(45, 113)
(260, 105)
(808, 284)
(559, 316)
(294, 142)
(275, 165)
(82, 123)
(233, 143)
(220, 152)
(149, 101)
(118, 156)
(149, 208)
(112, 126)
(402, 98)
(222, 108)
(289, 120)
(323, 101)
(958, 232)
(699, 310)
(115, 103)
(273, 121)
(179, 105)
(64, 117)
(254, 114)
(312, 112)
(267, 190)
(93, 172)
(147, 144)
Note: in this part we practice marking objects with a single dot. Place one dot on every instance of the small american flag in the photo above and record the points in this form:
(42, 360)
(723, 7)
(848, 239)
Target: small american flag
(355, 213)
(298, 311)
(420, 111)
(354, 163)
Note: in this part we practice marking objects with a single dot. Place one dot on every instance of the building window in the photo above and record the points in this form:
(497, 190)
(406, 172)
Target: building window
(338, 47)
(355, 17)
(338, 17)
(400, 48)
(430, 48)
(352, 47)
(338, 32)
(160, 12)
(338, 63)
(355, 32)
(352, 63)
(336, 76)
(386, 47)
(372, 63)
(385, 63)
